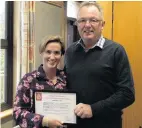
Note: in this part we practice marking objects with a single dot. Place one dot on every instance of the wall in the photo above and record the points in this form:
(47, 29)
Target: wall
(7, 123)
(48, 21)
(72, 9)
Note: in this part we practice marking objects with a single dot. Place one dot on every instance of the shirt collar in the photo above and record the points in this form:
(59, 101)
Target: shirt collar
(100, 43)
(60, 74)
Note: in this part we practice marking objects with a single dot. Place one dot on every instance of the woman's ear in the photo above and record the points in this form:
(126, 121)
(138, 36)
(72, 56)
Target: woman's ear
(41, 54)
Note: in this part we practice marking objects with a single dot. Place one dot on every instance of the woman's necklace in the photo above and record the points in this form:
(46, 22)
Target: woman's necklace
(54, 80)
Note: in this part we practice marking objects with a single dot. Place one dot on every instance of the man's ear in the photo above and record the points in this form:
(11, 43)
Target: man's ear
(103, 24)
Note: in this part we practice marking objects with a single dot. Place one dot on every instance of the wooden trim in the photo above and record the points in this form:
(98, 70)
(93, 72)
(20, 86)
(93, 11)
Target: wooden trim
(10, 24)
(112, 20)
(9, 57)
(6, 113)
(65, 25)
(56, 3)
(5, 106)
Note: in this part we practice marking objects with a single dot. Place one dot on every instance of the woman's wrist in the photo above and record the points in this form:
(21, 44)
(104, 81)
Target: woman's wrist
(45, 121)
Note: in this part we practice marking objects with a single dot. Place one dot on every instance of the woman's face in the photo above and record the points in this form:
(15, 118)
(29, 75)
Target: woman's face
(51, 55)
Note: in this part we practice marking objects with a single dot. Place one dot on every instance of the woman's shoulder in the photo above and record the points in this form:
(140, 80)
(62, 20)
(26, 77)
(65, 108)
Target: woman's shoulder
(30, 75)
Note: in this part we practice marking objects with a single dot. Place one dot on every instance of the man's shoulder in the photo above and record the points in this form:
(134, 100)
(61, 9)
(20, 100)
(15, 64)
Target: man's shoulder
(112, 44)
(72, 46)
(115, 47)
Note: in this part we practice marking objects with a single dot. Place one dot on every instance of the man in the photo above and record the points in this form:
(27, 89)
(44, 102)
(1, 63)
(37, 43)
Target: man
(99, 71)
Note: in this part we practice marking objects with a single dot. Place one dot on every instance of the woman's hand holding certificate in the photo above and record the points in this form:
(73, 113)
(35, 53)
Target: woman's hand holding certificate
(51, 121)
(56, 103)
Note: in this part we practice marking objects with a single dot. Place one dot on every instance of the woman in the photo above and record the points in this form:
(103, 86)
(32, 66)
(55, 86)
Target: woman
(46, 77)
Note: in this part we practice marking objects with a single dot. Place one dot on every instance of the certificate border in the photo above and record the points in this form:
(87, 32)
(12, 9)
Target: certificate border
(55, 91)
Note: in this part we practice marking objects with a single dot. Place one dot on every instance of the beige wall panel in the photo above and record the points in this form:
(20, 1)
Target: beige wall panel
(49, 20)
(7, 124)
(128, 32)
(57, 3)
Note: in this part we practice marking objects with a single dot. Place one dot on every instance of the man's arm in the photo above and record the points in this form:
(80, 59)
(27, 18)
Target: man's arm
(125, 94)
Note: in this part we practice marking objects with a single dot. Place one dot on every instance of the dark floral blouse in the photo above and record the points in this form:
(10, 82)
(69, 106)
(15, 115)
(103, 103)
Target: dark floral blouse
(23, 103)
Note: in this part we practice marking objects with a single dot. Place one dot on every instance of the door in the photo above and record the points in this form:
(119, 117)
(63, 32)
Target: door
(107, 8)
(127, 30)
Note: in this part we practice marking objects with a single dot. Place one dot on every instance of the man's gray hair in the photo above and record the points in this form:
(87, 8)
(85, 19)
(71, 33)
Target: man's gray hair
(92, 3)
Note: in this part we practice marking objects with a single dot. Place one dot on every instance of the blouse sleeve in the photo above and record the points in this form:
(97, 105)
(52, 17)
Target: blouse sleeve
(22, 109)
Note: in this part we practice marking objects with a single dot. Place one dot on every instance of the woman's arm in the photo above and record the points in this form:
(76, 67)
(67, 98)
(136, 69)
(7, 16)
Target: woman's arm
(22, 111)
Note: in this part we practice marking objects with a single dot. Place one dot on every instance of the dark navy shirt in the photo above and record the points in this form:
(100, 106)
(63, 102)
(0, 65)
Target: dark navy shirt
(102, 78)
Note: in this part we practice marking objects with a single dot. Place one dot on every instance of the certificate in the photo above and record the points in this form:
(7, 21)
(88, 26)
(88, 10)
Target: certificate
(60, 104)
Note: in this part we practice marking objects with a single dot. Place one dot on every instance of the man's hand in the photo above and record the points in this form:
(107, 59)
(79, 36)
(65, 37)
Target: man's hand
(83, 110)
(51, 121)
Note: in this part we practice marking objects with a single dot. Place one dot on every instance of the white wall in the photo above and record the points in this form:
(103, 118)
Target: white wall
(72, 9)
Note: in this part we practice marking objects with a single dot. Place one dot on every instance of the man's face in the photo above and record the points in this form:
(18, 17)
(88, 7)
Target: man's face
(90, 24)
